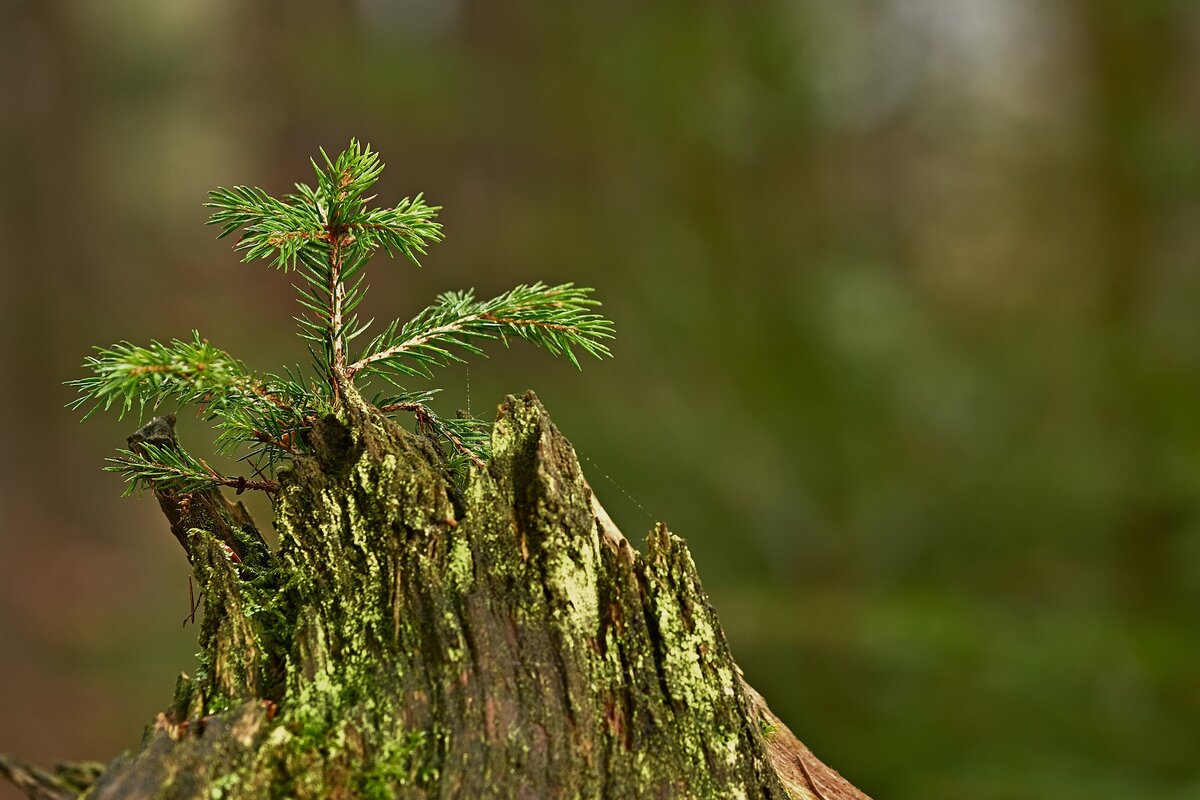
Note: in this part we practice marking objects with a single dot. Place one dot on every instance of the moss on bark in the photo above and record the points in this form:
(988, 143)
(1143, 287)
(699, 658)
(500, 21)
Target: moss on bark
(410, 641)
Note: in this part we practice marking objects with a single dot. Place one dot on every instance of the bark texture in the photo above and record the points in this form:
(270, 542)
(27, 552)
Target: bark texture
(410, 640)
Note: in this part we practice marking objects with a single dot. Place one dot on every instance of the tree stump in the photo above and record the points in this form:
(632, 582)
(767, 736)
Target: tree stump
(413, 640)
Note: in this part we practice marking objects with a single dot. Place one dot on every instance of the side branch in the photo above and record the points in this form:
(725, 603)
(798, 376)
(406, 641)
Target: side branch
(463, 325)
(557, 318)
(65, 783)
(161, 468)
(429, 422)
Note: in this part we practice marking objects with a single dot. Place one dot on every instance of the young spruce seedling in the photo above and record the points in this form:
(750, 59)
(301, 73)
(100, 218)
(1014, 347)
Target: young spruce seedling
(326, 235)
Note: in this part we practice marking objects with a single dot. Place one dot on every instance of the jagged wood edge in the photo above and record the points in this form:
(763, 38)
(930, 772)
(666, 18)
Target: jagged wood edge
(803, 774)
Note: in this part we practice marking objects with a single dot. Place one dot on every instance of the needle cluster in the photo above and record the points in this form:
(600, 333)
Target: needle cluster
(325, 235)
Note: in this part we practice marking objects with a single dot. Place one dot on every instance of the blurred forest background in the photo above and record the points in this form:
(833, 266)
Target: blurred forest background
(908, 348)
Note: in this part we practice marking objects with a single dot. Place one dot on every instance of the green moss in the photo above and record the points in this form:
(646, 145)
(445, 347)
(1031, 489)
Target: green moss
(461, 566)
(572, 577)
(411, 651)
(224, 785)
(403, 760)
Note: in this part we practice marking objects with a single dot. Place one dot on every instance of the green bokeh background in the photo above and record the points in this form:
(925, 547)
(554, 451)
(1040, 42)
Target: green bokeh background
(908, 350)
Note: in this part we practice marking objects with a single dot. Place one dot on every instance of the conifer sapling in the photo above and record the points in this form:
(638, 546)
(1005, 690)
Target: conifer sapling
(325, 235)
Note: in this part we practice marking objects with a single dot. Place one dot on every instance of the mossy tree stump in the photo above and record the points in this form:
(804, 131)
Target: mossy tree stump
(409, 640)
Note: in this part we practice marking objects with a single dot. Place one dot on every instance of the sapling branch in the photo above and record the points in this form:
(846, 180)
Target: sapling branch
(555, 317)
(326, 234)
(172, 469)
(466, 439)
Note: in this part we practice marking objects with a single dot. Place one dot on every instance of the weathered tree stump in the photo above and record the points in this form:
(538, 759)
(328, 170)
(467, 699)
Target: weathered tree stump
(409, 640)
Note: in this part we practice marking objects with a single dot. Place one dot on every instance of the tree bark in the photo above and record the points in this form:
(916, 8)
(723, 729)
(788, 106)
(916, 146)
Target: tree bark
(412, 640)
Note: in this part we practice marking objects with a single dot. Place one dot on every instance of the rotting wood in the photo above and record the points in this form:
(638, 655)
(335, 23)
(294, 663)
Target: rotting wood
(410, 640)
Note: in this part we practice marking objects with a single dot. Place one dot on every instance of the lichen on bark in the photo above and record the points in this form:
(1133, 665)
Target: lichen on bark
(410, 640)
